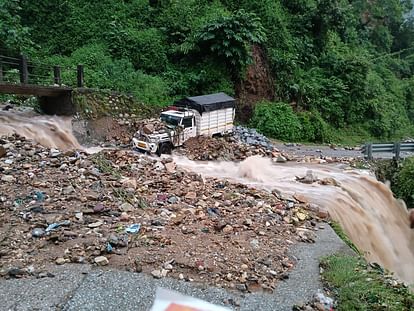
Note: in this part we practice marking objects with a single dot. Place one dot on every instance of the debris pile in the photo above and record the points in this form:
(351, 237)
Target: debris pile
(152, 126)
(251, 137)
(122, 209)
(203, 148)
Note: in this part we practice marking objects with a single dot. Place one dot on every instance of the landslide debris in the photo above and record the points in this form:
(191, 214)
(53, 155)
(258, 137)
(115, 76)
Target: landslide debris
(125, 210)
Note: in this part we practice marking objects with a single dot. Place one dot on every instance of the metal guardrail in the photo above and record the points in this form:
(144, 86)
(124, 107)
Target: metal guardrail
(396, 148)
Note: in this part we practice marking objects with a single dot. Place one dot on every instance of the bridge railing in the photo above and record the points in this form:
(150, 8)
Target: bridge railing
(395, 148)
(21, 70)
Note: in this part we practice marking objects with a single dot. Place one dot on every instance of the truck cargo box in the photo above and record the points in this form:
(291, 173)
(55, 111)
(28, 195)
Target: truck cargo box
(214, 112)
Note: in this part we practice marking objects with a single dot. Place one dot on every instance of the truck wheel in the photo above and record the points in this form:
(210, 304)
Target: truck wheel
(164, 149)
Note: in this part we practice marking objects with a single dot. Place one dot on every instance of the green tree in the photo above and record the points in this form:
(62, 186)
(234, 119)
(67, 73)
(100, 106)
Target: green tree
(13, 36)
(228, 38)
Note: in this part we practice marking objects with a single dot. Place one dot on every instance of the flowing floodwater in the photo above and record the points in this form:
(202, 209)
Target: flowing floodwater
(373, 219)
(49, 131)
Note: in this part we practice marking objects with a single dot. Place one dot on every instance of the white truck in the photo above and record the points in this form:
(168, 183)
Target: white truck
(192, 116)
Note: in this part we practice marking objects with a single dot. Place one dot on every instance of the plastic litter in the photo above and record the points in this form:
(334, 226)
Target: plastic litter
(166, 300)
(56, 225)
(133, 228)
(40, 196)
(38, 232)
(214, 212)
(327, 302)
(109, 248)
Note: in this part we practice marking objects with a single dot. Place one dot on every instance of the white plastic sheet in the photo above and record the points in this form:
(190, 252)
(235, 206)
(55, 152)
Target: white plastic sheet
(166, 300)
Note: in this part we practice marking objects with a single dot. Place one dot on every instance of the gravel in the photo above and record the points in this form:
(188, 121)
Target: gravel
(121, 290)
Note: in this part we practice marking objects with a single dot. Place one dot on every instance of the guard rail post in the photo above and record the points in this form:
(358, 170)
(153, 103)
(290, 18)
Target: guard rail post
(397, 151)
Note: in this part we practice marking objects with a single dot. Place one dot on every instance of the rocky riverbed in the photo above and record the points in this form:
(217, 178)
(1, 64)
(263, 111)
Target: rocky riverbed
(121, 209)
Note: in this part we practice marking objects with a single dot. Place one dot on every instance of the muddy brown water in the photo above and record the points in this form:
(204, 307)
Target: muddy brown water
(373, 219)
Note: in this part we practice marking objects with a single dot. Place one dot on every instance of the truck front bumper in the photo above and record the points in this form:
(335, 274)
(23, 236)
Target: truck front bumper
(144, 146)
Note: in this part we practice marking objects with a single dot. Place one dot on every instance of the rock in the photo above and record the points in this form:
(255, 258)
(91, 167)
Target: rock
(330, 182)
(228, 229)
(229, 277)
(96, 224)
(168, 266)
(124, 217)
(101, 261)
(119, 241)
(319, 306)
(129, 183)
(68, 190)
(281, 159)
(191, 195)
(3, 151)
(70, 234)
(241, 287)
(16, 272)
(138, 265)
(181, 276)
(54, 153)
(148, 129)
(138, 268)
(322, 213)
(60, 261)
(301, 216)
(170, 167)
(159, 166)
(79, 216)
(244, 267)
(157, 274)
(98, 208)
(300, 198)
(248, 222)
(8, 178)
(38, 232)
(254, 243)
(126, 207)
(309, 178)
(172, 200)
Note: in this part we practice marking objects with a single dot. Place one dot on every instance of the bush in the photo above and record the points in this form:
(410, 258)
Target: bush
(205, 77)
(315, 128)
(404, 187)
(146, 48)
(277, 120)
(102, 72)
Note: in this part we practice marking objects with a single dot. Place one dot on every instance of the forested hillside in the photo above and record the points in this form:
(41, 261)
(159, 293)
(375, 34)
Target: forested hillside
(320, 69)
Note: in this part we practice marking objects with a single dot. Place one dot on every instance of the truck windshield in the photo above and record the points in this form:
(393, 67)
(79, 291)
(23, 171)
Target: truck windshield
(169, 119)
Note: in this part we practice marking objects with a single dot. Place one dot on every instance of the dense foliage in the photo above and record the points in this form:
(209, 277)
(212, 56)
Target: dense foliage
(404, 186)
(400, 174)
(340, 64)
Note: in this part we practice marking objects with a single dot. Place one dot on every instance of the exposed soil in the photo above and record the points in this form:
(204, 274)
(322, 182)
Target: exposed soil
(258, 85)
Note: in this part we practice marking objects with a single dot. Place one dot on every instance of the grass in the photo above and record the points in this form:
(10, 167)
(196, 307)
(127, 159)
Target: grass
(105, 166)
(359, 286)
(340, 232)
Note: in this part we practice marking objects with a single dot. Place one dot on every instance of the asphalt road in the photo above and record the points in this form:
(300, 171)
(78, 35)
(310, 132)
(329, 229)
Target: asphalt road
(84, 287)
